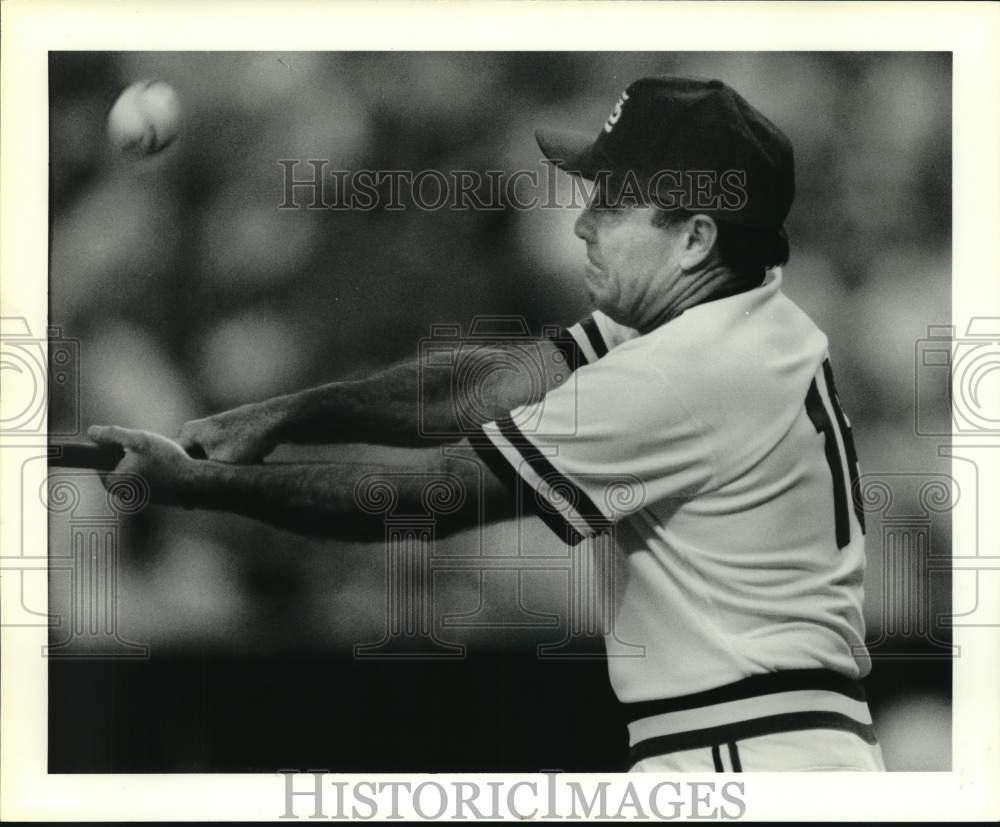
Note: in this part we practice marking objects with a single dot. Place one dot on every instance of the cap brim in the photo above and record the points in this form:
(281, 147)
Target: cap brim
(571, 151)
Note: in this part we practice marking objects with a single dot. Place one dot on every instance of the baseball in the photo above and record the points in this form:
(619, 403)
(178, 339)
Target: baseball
(145, 118)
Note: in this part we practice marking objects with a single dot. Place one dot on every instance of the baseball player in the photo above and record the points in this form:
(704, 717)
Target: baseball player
(702, 430)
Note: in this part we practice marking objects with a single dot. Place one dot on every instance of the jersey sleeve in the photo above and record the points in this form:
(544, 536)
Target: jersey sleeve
(599, 448)
(591, 338)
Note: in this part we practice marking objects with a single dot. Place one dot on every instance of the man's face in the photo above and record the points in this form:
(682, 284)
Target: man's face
(632, 263)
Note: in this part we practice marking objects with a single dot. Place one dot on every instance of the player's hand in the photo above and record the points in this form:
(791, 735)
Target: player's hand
(160, 461)
(239, 435)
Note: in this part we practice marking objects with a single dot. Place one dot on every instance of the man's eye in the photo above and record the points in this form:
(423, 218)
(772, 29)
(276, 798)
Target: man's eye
(604, 205)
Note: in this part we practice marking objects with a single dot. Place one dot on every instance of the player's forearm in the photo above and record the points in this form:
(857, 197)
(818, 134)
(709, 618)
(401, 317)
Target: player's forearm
(316, 499)
(412, 403)
(382, 409)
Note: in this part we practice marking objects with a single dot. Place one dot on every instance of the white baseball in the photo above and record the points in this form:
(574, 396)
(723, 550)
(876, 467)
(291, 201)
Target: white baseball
(145, 118)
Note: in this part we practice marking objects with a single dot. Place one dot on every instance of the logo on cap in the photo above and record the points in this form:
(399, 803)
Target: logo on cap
(616, 113)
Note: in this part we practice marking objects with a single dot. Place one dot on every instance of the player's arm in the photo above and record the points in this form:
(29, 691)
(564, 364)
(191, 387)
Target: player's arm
(414, 403)
(337, 500)
(409, 404)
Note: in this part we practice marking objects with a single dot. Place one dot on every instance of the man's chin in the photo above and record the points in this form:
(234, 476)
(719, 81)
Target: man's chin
(595, 300)
(599, 301)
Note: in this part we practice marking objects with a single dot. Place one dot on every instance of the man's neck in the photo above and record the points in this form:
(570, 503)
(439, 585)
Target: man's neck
(715, 282)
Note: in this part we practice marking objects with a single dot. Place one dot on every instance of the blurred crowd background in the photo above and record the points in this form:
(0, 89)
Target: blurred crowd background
(190, 292)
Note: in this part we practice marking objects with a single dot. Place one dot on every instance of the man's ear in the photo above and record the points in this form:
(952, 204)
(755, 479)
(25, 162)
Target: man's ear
(700, 233)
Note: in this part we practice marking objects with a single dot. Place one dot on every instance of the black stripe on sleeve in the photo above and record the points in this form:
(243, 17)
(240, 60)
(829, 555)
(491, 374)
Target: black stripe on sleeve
(595, 520)
(594, 336)
(717, 759)
(523, 493)
(567, 345)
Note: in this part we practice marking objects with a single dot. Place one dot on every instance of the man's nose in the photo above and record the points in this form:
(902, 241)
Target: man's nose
(584, 226)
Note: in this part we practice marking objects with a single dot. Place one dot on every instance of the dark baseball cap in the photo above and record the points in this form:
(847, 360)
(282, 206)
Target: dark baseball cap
(688, 143)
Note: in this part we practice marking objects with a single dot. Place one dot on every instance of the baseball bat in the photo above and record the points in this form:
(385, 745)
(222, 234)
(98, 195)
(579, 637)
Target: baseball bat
(86, 454)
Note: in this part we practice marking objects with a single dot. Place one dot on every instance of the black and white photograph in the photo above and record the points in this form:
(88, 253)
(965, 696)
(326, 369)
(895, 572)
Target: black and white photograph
(560, 412)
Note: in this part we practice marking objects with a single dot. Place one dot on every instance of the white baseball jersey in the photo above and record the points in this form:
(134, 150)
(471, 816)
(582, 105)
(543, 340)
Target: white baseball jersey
(715, 451)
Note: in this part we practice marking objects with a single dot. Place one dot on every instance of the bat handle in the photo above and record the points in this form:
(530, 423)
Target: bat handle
(81, 454)
(87, 455)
